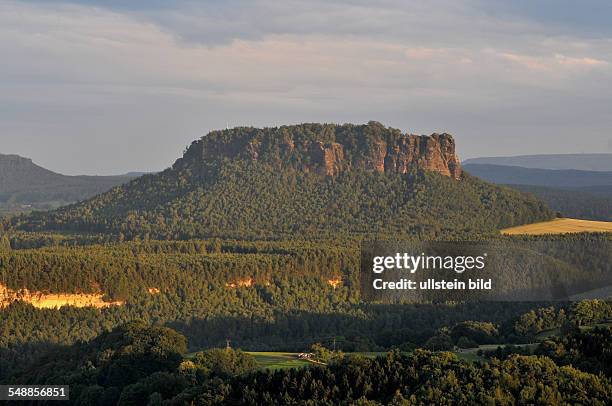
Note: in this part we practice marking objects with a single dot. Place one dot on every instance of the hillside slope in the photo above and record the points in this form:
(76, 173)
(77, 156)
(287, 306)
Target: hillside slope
(22, 182)
(583, 162)
(574, 193)
(515, 175)
(302, 180)
(588, 203)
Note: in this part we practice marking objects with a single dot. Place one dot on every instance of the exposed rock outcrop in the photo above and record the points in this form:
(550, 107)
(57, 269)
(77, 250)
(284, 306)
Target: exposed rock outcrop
(241, 283)
(53, 300)
(435, 153)
(334, 283)
(327, 158)
(330, 151)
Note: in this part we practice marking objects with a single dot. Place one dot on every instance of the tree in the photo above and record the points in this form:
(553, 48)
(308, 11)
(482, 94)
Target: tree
(135, 350)
(5, 243)
(475, 331)
(224, 362)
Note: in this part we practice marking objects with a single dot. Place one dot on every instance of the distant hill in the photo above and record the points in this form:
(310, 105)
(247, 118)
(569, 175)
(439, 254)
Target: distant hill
(602, 190)
(135, 174)
(583, 162)
(567, 178)
(581, 203)
(25, 185)
(574, 193)
(302, 180)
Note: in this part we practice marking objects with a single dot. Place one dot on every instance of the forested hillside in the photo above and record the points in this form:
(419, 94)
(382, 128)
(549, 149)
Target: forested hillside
(301, 180)
(581, 203)
(25, 185)
(573, 193)
(136, 365)
(263, 295)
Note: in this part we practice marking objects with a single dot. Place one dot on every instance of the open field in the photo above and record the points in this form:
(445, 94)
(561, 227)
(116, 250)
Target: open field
(282, 360)
(273, 360)
(471, 354)
(278, 360)
(560, 226)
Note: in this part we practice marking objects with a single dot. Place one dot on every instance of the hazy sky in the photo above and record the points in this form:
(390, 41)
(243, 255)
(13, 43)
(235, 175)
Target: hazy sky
(104, 87)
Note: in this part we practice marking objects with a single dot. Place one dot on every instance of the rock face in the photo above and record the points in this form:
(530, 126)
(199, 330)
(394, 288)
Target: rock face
(327, 158)
(330, 149)
(53, 300)
(434, 153)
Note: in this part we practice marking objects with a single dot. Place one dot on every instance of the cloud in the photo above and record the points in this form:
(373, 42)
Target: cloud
(580, 62)
(527, 61)
(120, 72)
(551, 63)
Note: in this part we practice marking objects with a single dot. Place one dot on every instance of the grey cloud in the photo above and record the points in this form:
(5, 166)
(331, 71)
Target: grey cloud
(137, 81)
(217, 22)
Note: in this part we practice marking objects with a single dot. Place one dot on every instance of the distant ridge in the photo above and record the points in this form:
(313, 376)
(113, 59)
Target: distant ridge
(574, 193)
(583, 162)
(517, 175)
(25, 185)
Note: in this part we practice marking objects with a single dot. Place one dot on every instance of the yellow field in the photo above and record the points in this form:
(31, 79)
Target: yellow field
(560, 226)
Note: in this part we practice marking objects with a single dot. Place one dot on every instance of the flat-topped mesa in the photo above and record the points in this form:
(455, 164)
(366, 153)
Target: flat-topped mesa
(329, 149)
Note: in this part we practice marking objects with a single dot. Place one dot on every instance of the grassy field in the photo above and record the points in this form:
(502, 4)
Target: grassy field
(278, 360)
(471, 354)
(560, 226)
(273, 360)
(281, 360)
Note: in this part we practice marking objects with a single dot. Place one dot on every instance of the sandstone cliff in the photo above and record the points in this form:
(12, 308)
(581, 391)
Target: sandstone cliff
(53, 300)
(328, 150)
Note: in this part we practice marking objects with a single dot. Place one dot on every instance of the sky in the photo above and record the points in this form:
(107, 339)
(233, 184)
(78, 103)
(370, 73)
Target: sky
(106, 87)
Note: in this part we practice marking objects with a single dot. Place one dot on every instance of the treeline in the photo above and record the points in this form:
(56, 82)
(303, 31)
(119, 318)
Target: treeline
(124, 270)
(137, 364)
(589, 349)
(581, 313)
(576, 203)
(418, 378)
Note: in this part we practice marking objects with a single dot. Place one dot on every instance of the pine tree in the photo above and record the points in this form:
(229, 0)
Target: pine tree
(5, 243)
